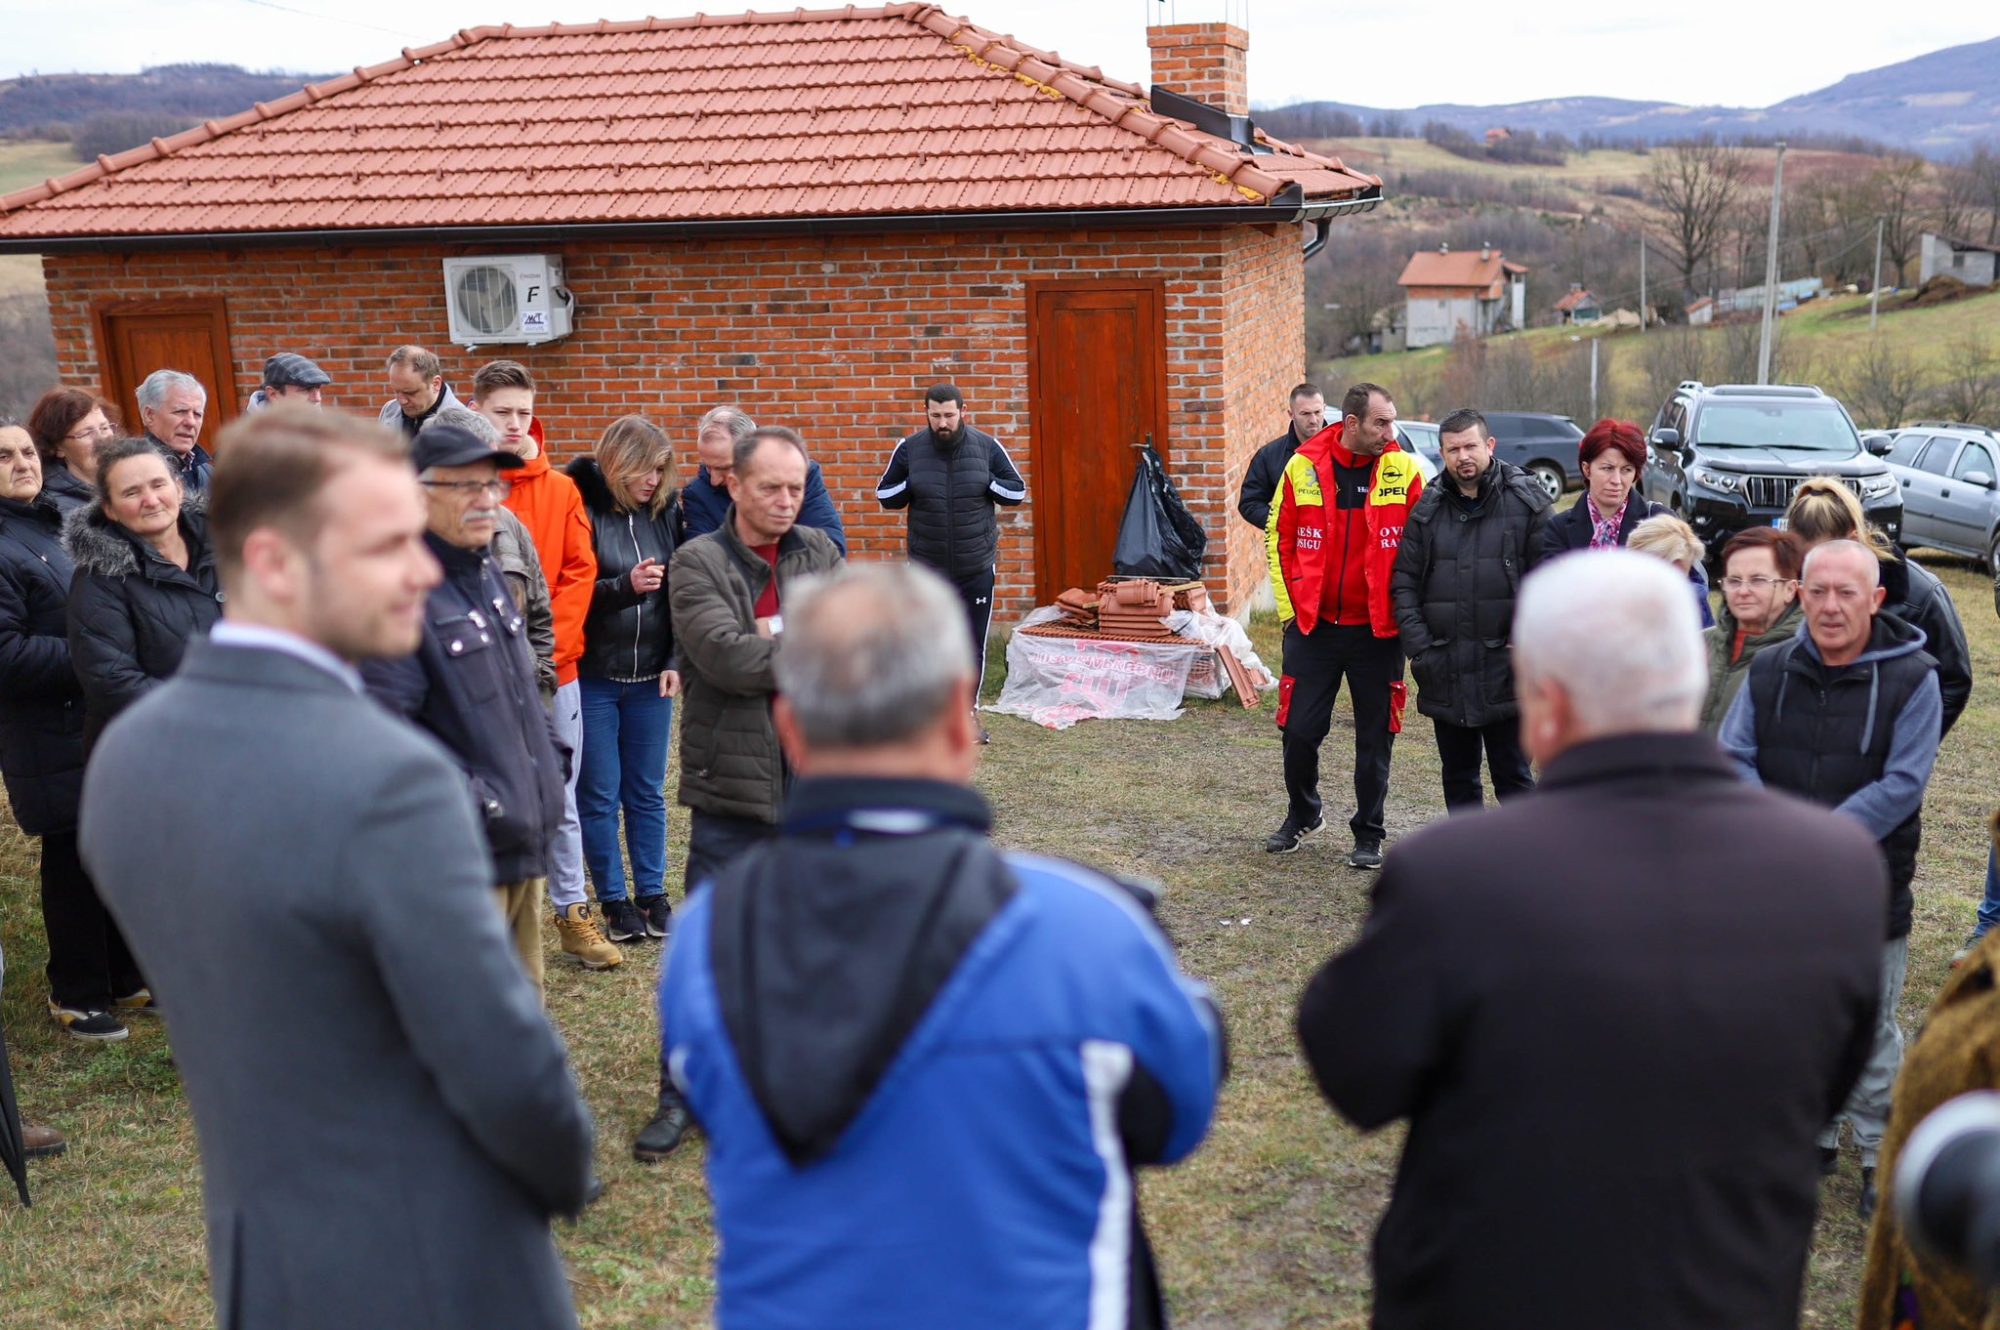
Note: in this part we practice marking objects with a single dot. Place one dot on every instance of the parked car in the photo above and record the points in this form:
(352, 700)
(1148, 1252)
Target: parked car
(1950, 498)
(1728, 456)
(1420, 439)
(1542, 445)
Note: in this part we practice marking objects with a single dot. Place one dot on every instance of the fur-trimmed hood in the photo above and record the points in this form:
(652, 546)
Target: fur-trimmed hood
(100, 546)
(596, 490)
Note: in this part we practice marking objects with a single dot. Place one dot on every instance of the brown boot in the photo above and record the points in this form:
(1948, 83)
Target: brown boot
(41, 1142)
(583, 939)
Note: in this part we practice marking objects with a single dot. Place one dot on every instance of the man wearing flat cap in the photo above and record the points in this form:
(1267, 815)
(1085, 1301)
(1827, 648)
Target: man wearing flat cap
(289, 376)
(471, 682)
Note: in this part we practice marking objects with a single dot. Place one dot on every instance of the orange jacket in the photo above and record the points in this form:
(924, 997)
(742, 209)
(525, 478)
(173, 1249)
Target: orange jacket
(550, 506)
(1304, 528)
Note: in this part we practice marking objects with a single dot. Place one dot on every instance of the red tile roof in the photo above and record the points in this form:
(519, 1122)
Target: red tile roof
(1574, 300)
(1466, 269)
(835, 113)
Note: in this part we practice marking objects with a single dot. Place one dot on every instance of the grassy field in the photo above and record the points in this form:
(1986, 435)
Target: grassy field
(1267, 1227)
(23, 164)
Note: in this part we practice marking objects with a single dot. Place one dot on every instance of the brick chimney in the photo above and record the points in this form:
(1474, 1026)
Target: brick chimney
(1205, 61)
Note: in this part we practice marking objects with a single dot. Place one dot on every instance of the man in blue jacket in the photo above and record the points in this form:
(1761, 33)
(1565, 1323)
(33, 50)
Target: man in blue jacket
(951, 1142)
(1849, 714)
(704, 500)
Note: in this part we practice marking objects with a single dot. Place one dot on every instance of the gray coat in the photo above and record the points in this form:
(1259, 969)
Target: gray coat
(387, 1120)
(730, 762)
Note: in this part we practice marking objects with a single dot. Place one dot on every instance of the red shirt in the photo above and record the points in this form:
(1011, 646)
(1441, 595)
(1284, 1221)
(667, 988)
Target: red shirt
(767, 604)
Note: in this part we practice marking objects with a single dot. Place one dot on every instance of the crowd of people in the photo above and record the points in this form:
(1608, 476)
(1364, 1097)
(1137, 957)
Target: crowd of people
(434, 668)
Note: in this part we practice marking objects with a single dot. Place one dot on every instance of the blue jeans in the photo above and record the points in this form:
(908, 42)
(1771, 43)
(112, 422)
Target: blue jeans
(1989, 907)
(625, 729)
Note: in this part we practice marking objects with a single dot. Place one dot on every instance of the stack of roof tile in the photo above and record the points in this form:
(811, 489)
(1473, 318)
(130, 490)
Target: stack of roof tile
(1138, 608)
(1078, 607)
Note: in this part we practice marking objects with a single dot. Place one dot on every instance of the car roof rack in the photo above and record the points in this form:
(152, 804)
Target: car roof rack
(1765, 390)
(1954, 424)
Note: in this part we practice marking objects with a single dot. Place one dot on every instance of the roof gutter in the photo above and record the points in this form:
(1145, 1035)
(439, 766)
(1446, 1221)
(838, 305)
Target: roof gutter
(1287, 208)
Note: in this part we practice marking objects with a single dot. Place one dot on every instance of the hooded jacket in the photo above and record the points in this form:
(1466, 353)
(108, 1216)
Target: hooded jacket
(132, 613)
(41, 704)
(730, 761)
(1860, 738)
(1310, 541)
(1918, 598)
(626, 636)
(471, 684)
(950, 490)
(548, 504)
(952, 1141)
(1457, 575)
(1725, 676)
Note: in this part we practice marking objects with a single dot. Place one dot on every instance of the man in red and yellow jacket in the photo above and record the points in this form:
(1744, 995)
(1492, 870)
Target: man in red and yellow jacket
(551, 508)
(1335, 526)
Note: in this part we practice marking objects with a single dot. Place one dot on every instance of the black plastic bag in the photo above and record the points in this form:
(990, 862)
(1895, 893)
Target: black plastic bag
(1158, 537)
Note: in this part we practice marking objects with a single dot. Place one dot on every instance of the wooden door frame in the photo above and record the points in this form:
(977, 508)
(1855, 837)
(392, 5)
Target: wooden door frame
(1157, 369)
(216, 310)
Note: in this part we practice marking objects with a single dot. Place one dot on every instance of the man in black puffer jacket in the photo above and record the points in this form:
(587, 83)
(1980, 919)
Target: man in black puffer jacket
(1466, 548)
(950, 475)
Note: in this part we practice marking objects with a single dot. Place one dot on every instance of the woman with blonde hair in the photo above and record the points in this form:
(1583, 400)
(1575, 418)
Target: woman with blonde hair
(628, 687)
(1665, 536)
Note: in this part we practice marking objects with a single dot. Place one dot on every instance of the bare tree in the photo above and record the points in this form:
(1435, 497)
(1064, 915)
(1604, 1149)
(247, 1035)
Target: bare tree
(1970, 387)
(27, 352)
(1899, 185)
(1881, 384)
(1983, 166)
(1695, 184)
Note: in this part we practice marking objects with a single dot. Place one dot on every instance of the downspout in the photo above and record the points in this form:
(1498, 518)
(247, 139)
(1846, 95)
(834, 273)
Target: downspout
(1322, 232)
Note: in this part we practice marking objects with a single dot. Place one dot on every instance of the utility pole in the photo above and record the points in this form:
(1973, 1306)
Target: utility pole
(1771, 271)
(1875, 287)
(1644, 317)
(1593, 377)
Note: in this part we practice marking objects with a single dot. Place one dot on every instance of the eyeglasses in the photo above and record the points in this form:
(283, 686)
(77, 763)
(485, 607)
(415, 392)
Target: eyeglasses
(498, 488)
(86, 435)
(1754, 583)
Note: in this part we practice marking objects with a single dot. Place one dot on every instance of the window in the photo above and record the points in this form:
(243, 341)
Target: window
(1806, 427)
(1507, 427)
(1973, 457)
(1937, 458)
(1906, 447)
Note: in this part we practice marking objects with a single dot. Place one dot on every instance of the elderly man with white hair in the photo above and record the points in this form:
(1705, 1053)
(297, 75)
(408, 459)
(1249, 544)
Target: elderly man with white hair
(1849, 714)
(172, 406)
(1613, 1012)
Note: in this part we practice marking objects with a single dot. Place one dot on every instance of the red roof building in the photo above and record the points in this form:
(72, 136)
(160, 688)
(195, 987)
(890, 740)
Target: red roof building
(812, 214)
(1468, 294)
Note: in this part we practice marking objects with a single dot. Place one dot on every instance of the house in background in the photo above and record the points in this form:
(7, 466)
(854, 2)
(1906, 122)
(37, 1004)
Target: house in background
(1971, 263)
(813, 214)
(1701, 312)
(1447, 296)
(1579, 306)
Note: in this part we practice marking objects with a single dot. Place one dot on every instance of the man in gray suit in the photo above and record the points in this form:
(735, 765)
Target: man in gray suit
(386, 1124)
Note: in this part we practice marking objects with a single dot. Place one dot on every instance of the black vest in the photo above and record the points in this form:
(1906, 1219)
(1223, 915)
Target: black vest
(952, 526)
(1824, 733)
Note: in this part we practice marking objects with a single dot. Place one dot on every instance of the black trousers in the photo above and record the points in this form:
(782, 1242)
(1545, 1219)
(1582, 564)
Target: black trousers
(1314, 665)
(715, 839)
(977, 593)
(1458, 755)
(89, 963)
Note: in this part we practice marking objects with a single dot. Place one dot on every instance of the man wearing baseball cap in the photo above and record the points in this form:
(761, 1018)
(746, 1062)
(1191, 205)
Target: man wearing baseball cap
(471, 682)
(289, 376)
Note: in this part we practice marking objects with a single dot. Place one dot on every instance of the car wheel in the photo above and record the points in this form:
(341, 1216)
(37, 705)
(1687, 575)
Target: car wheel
(1549, 476)
(1993, 558)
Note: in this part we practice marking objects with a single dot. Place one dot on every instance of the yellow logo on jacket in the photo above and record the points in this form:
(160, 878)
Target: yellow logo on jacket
(1305, 481)
(1392, 480)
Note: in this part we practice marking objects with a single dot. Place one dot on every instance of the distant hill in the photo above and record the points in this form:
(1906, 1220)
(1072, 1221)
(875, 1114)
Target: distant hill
(1938, 104)
(52, 105)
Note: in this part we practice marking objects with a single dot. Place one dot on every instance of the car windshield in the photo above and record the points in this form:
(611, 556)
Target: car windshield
(1796, 426)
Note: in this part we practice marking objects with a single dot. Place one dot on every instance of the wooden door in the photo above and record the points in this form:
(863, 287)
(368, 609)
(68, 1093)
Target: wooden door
(136, 337)
(1097, 374)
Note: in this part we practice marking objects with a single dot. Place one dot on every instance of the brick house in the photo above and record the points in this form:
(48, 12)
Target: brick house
(812, 214)
(1447, 296)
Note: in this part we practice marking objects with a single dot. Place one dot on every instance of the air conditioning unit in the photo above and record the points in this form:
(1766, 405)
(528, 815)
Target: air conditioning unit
(506, 300)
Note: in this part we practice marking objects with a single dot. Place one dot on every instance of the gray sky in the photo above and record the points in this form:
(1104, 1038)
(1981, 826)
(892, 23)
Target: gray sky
(1725, 52)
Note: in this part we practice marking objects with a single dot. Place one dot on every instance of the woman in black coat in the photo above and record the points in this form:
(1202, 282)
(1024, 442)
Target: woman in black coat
(91, 973)
(627, 680)
(145, 580)
(1612, 458)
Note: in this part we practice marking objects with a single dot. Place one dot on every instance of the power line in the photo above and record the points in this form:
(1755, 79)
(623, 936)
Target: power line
(334, 18)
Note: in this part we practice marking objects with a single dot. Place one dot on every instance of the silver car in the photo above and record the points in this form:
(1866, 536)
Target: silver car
(1420, 439)
(1951, 501)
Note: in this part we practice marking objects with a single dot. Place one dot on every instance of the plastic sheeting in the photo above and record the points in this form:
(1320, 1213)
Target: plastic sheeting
(1057, 681)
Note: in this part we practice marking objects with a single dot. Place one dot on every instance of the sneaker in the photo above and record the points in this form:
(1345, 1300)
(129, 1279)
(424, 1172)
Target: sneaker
(984, 737)
(139, 1002)
(622, 920)
(40, 1142)
(577, 928)
(1866, 1207)
(659, 916)
(1366, 854)
(99, 1025)
(660, 1137)
(1829, 1160)
(1958, 957)
(1291, 833)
